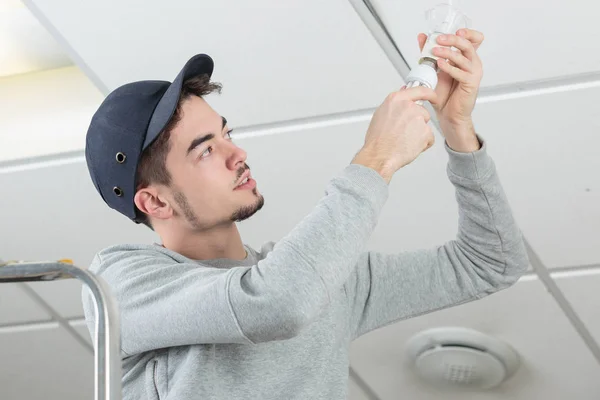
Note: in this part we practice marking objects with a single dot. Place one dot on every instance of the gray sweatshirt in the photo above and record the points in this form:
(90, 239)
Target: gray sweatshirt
(278, 325)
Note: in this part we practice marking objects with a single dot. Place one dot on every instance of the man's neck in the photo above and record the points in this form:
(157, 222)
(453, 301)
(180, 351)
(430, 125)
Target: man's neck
(219, 242)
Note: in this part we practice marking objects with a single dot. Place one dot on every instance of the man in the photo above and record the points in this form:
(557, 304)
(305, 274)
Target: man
(205, 317)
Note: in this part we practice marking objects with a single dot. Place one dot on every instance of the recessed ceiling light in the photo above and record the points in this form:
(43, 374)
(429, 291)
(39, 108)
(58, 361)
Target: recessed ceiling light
(461, 358)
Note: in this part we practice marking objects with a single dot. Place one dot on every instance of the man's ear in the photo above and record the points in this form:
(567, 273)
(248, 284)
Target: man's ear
(150, 202)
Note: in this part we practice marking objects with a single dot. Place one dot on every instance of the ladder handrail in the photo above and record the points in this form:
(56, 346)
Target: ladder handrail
(108, 369)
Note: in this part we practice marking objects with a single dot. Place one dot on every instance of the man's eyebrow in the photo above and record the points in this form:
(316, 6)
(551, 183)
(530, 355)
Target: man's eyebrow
(201, 139)
(198, 141)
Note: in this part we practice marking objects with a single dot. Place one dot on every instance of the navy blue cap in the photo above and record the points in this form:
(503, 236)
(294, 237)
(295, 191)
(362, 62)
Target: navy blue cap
(126, 123)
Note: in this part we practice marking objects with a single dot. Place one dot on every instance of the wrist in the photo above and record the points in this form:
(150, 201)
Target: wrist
(368, 158)
(461, 136)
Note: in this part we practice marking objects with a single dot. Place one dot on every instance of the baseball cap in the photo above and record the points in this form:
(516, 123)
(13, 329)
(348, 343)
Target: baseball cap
(128, 121)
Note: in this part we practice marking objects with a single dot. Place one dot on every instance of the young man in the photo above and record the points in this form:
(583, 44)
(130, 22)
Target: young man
(205, 317)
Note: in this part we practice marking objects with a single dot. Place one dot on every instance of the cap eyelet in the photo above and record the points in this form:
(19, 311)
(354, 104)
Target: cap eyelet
(120, 157)
(117, 190)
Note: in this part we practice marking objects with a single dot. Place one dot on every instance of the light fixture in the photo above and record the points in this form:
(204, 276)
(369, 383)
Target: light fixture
(461, 358)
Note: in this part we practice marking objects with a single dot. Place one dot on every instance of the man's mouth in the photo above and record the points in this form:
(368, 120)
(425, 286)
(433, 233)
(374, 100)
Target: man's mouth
(245, 180)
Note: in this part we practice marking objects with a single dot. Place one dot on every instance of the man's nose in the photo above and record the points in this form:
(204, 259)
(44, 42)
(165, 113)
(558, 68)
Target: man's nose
(237, 157)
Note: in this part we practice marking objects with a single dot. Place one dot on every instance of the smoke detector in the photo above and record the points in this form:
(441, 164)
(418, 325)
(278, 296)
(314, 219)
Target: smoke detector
(461, 358)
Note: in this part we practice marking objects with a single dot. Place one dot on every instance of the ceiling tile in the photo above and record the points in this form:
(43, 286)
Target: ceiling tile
(63, 102)
(45, 363)
(25, 45)
(277, 60)
(552, 46)
(355, 392)
(63, 296)
(81, 328)
(581, 291)
(545, 148)
(79, 225)
(525, 316)
(16, 307)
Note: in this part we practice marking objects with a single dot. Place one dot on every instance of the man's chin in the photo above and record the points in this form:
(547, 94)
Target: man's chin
(245, 212)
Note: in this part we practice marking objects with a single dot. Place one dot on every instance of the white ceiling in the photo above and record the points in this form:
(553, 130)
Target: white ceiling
(278, 60)
(44, 363)
(525, 40)
(555, 364)
(546, 151)
(50, 109)
(581, 290)
(25, 45)
(307, 61)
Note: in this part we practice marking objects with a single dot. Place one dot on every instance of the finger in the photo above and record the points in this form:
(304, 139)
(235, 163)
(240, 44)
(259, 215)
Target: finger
(473, 36)
(421, 38)
(455, 72)
(431, 136)
(423, 111)
(460, 43)
(455, 57)
(419, 93)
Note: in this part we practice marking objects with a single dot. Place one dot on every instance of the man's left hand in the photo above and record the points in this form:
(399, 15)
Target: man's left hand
(459, 78)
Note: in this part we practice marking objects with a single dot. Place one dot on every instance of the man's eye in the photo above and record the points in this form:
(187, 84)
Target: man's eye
(228, 134)
(207, 152)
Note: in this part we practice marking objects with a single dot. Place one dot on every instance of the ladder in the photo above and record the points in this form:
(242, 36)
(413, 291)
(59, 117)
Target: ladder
(107, 338)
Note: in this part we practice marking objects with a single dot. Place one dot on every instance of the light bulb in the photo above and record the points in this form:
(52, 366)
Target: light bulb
(442, 19)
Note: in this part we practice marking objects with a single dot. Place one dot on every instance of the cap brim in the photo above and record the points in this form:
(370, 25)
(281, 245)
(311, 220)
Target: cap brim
(198, 65)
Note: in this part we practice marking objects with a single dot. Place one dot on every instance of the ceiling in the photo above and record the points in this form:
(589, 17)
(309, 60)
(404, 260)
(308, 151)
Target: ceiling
(25, 45)
(301, 79)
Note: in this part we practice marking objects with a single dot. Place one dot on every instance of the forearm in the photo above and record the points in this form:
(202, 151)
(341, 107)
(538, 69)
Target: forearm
(488, 233)
(487, 255)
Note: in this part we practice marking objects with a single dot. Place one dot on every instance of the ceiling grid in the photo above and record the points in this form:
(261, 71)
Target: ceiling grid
(255, 132)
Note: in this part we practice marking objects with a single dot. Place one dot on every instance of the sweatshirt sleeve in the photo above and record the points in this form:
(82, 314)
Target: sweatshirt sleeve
(487, 255)
(165, 303)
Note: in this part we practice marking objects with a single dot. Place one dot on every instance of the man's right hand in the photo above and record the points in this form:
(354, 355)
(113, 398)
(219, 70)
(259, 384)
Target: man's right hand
(398, 132)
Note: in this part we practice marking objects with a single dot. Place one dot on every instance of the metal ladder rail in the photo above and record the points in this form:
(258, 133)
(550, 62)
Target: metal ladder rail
(107, 358)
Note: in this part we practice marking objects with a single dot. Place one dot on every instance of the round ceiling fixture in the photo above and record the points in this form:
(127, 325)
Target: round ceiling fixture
(461, 358)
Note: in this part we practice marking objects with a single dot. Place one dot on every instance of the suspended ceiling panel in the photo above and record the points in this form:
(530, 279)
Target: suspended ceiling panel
(81, 328)
(525, 40)
(63, 296)
(581, 290)
(25, 45)
(44, 363)
(59, 210)
(277, 60)
(45, 113)
(555, 363)
(355, 392)
(16, 307)
(546, 149)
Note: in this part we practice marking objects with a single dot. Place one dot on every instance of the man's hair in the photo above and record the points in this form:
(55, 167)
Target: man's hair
(152, 165)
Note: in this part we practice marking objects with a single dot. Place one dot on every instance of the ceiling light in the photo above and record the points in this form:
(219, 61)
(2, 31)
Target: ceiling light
(461, 358)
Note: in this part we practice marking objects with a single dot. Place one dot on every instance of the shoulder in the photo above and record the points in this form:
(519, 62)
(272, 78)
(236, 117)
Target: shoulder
(120, 257)
(264, 251)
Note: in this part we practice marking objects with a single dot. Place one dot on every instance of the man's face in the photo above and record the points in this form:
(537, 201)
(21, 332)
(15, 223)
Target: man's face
(207, 168)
